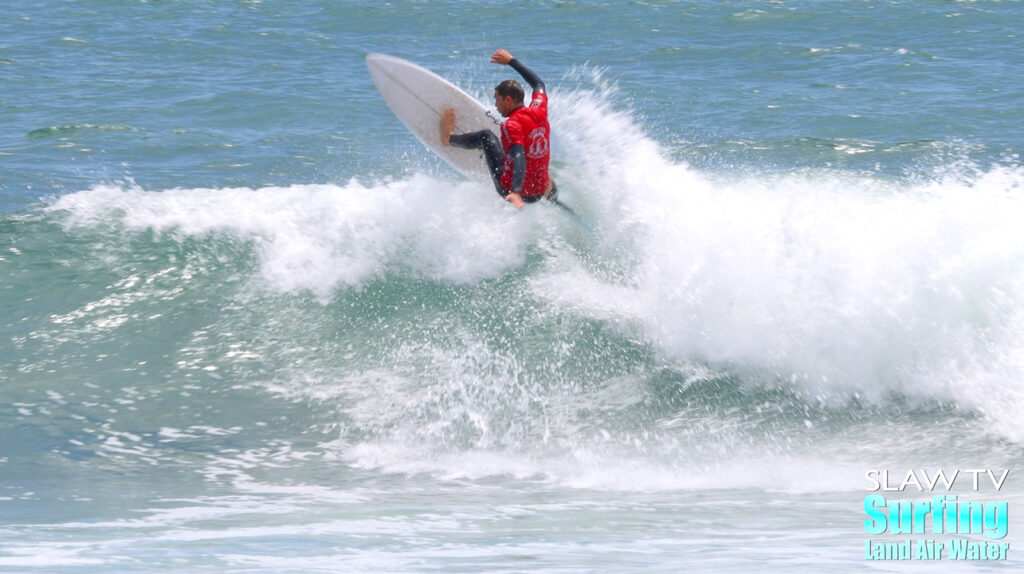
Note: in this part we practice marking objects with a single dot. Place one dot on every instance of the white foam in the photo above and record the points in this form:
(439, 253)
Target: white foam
(596, 466)
(842, 284)
(319, 237)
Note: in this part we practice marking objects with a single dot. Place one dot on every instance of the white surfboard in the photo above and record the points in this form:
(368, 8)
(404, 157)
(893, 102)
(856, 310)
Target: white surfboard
(418, 97)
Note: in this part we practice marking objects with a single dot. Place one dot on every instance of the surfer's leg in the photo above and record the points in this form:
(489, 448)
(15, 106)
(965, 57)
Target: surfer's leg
(487, 142)
(552, 193)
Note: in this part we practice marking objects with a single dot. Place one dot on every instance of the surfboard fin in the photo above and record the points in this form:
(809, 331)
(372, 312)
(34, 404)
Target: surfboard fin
(573, 215)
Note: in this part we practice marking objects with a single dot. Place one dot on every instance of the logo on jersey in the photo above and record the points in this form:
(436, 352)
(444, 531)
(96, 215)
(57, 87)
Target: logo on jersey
(538, 145)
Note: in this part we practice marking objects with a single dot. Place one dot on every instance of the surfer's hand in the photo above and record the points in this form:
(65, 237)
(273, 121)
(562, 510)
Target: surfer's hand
(515, 199)
(501, 57)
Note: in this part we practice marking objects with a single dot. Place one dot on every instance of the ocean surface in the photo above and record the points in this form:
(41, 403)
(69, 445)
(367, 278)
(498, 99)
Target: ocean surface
(249, 324)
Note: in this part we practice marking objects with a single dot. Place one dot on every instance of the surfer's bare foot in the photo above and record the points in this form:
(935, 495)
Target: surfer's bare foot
(447, 126)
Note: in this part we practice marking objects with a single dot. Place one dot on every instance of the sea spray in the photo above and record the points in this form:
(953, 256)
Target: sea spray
(841, 284)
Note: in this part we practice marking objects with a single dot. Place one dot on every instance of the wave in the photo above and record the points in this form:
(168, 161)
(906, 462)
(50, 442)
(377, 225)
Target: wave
(716, 320)
(844, 284)
(318, 238)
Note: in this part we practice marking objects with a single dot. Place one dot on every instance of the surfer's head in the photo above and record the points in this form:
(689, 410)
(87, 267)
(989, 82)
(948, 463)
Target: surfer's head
(508, 96)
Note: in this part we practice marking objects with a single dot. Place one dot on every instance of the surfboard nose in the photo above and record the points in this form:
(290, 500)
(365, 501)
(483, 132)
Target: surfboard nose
(419, 97)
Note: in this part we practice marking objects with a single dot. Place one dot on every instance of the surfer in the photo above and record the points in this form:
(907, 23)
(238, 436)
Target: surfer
(518, 163)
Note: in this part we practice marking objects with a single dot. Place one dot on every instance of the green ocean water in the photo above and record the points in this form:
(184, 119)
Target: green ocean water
(248, 323)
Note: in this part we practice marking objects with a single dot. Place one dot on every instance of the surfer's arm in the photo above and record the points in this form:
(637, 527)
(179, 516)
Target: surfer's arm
(528, 75)
(518, 155)
(503, 57)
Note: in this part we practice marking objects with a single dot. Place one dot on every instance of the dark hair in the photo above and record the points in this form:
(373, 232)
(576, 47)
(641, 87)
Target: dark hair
(511, 88)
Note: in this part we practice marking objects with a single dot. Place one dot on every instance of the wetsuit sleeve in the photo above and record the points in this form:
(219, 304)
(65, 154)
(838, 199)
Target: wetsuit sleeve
(528, 75)
(518, 155)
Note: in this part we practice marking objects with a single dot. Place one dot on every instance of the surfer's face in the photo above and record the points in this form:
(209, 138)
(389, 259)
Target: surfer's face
(505, 104)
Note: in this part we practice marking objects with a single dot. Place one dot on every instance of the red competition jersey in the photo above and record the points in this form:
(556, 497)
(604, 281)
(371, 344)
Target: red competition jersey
(528, 126)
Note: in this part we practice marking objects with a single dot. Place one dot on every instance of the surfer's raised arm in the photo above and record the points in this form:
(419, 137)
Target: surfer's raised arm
(504, 58)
